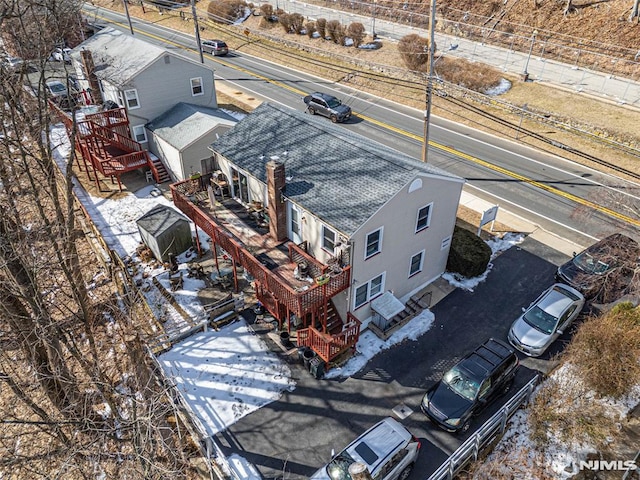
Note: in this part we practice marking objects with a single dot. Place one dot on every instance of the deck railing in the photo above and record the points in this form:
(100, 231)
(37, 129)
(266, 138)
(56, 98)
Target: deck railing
(298, 303)
(114, 138)
(327, 346)
(123, 163)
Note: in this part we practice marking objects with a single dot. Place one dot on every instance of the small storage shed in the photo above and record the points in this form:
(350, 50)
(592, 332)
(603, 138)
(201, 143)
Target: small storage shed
(165, 231)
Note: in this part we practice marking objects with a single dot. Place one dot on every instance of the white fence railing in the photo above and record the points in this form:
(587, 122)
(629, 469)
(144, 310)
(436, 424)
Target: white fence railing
(491, 430)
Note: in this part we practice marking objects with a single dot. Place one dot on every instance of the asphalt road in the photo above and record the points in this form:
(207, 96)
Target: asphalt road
(295, 435)
(544, 188)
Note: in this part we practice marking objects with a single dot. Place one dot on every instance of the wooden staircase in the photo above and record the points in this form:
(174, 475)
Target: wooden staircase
(414, 305)
(334, 322)
(163, 174)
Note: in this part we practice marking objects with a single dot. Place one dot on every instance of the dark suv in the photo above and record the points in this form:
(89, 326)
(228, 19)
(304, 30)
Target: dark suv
(471, 385)
(327, 105)
(215, 47)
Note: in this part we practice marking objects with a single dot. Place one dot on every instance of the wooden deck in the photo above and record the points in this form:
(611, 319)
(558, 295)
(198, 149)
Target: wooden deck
(273, 266)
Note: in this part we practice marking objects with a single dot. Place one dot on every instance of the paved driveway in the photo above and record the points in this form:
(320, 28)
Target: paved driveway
(293, 437)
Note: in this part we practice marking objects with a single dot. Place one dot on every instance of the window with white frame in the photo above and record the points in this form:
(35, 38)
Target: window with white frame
(415, 265)
(131, 98)
(328, 239)
(139, 134)
(197, 87)
(368, 291)
(374, 243)
(424, 217)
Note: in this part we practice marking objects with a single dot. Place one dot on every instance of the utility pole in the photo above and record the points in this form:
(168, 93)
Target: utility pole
(432, 50)
(126, 11)
(373, 21)
(197, 28)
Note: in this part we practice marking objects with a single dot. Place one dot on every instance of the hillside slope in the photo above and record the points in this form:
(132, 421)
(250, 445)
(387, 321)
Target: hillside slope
(599, 21)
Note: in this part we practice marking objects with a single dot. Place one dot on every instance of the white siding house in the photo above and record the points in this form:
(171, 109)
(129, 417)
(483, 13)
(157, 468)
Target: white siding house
(145, 79)
(387, 215)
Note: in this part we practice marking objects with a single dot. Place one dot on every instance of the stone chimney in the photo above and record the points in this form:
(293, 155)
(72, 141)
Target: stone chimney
(90, 75)
(276, 182)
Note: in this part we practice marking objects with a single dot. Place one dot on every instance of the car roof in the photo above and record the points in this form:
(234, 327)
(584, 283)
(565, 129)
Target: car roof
(557, 299)
(324, 96)
(55, 82)
(215, 41)
(487, 357)
(377, 443)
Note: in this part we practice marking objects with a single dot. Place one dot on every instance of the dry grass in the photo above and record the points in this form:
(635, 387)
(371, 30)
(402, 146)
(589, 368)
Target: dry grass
(606, 351)
(520, 463)
(564, 409)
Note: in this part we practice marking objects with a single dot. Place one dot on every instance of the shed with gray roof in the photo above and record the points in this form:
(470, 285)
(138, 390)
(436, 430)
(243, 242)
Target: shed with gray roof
(165, 231)
(180, 137)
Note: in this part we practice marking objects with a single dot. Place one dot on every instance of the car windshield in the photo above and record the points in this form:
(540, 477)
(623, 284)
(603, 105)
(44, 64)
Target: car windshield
(334, 102)
(57, 88)
(462, 383)
(587, 263)
(541, 320)
(338, 468)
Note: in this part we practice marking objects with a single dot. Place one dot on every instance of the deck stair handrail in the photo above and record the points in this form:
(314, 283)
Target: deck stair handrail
(114, 138)
(329, 346)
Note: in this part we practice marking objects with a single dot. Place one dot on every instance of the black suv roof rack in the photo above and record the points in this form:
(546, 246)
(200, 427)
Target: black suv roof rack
(490, 354)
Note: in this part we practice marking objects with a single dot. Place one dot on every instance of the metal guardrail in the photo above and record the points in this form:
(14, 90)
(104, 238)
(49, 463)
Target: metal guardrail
(488, 432)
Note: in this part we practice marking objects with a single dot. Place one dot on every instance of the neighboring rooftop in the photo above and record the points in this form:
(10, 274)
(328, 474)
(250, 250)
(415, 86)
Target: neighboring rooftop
(117, 56)
(341, 177)
(185, 123)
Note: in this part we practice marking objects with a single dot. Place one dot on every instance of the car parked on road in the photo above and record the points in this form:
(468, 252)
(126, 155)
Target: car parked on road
(12, 63)
(215, 47)
(61, 55)
(387, 449)
(472, 384)
(546, 319)
(57, 90)
(328, 106)
(603, 271)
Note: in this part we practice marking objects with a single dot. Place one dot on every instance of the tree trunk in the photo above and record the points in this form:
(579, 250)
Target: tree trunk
(634, 11)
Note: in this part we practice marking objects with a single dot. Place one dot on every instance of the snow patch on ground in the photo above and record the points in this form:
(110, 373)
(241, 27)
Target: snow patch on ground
(225, 375)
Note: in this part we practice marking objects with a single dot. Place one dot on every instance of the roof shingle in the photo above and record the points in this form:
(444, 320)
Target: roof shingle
(339, 176)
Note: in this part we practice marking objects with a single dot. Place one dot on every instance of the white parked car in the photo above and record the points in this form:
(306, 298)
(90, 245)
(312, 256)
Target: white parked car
(546, 319)
(387, 449)
(61, 55)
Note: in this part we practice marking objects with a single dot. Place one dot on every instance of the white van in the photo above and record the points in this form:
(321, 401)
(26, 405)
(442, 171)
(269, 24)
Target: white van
(387, 449)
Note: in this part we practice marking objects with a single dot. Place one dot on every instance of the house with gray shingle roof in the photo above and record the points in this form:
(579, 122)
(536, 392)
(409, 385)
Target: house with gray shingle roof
(348, 198)
(144, 78)
(181, 137)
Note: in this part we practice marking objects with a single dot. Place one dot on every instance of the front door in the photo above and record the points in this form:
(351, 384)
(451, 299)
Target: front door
(295, 233)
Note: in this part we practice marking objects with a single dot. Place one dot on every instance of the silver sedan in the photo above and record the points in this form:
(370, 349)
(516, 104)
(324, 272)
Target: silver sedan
(546, 319)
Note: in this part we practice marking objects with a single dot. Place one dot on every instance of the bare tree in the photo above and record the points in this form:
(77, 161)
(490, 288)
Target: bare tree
(82, 400)
(356, 32)
(634, 11)
(414, 51)
(321, 24)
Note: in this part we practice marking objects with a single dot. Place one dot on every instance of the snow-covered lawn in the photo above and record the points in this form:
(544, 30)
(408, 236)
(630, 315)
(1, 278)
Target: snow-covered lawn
(225, 375)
